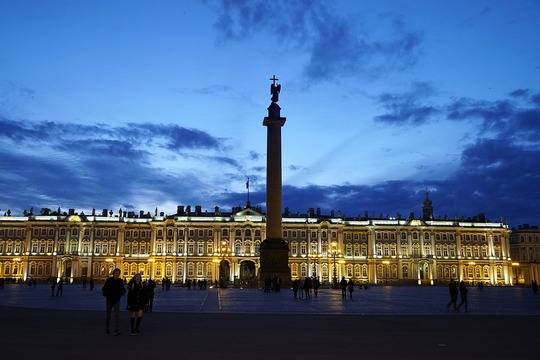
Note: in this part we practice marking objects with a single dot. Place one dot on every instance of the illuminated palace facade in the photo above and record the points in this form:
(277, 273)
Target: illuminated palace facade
(216, 246)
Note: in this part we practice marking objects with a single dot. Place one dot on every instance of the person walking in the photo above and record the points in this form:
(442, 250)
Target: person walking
(60, 287)
(307, 287)
(91, 283)
(316, 286)
(295, 288)
(350, 287)
(113, 290)
(150, 287)
(343, 286)
(136, 302)
(53, 286)
(453, 291)
(534, 287)
(463, 293)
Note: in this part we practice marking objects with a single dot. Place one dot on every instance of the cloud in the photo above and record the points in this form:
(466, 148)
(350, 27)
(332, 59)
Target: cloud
(408, 107)
(482, 184)
(520, 93)
(176, 137)
(47, 164)
(253, 155)
(332, 42)
(503, 118)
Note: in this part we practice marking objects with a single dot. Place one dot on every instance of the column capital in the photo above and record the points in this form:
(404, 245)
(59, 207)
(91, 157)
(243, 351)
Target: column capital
(269, 121)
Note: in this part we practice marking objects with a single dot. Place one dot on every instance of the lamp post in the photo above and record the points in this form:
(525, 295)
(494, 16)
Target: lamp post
(334, 272)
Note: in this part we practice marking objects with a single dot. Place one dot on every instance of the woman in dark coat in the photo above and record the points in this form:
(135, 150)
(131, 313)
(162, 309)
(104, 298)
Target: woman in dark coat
(136, 302)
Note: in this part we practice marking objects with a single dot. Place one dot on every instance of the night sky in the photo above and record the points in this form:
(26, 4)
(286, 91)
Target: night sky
(137, 105)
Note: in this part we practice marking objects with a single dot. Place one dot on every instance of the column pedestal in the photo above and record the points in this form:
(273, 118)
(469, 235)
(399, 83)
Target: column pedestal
(275, 261)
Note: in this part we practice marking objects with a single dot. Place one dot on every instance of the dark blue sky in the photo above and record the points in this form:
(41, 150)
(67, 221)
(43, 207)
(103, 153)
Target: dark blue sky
(141, 104)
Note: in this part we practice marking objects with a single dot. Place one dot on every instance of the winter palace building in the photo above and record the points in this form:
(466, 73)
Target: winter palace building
(219, 246)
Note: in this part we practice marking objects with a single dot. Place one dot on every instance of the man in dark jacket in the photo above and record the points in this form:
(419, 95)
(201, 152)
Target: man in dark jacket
(343, 286)
(113, 290)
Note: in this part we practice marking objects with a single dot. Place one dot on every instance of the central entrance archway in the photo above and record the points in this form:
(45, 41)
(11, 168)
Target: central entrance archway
(224, 273)
(248, 274)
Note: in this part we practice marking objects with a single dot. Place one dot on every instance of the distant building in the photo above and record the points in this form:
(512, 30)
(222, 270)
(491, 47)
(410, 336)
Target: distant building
(525, 250)
(225, 246)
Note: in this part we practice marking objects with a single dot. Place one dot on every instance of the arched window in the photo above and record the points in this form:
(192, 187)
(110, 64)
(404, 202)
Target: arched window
(405, 271)
(294, 270)
(393, 272)
(357, 271)
(303, 270)
(349, 271)
(142, 269)
(294, 248)
(364, 271)
(324, 271)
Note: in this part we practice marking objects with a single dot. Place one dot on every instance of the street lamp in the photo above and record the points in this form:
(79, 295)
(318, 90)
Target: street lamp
(334, 273)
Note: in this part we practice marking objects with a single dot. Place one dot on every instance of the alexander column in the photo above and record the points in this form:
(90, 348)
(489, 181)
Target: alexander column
(274, 250)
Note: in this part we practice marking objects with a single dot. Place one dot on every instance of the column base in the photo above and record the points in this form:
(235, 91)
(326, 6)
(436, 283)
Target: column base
(274, 255)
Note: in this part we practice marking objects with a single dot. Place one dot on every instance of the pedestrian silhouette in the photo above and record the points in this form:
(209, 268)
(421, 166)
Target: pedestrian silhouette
(151, 285)
(53, 286)
(453, 291)
(113, 290)
(463, 294)
(343, 286)
(316, 286)
(136, 303)
(350, 287)
(534, 286)
(295, 286)
(60, 288)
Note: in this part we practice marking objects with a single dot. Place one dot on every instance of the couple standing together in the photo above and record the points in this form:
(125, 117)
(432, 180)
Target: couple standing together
(137, 301)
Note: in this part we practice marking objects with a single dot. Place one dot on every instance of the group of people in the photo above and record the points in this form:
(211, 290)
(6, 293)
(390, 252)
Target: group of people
(346, 286)
(201, 284)
(59, 286)
(90, 282)
(272, 284)
(305, 287)
(454, 288)
(140, 298)
(166, 284)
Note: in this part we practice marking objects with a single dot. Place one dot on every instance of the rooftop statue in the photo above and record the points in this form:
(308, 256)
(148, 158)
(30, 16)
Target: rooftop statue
(275, 89)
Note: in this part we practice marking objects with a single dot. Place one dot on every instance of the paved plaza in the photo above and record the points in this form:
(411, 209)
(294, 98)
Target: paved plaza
(235, 323)
(377, 300)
